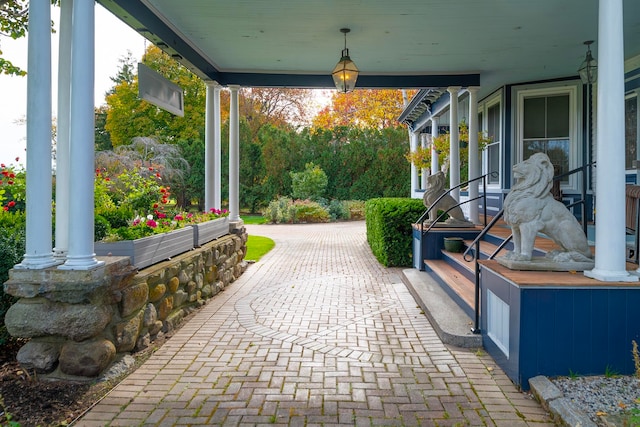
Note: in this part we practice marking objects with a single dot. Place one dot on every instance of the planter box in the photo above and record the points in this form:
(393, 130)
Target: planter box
(151, 249)
(205, 232)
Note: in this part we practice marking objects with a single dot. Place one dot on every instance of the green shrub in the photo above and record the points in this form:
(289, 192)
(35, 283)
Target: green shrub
(12, 249)
(100, 227)
(389, 232)
(279, 211)
(309, 184)
(338, 210)
(308, 211)
(118, 217)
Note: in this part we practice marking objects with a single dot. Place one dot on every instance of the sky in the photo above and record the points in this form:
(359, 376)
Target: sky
(113, 40)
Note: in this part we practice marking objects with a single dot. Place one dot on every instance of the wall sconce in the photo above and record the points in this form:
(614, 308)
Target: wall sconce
(345, 72)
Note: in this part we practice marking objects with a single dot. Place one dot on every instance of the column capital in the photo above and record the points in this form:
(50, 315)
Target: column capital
(214, 84)
(473, 89)
(233, 87)
(454, 89)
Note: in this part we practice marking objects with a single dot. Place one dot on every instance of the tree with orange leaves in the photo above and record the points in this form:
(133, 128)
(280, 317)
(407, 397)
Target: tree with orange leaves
(362, 108)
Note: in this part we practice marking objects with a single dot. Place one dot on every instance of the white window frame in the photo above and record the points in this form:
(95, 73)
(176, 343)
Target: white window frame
(575, 124)
(483, 107)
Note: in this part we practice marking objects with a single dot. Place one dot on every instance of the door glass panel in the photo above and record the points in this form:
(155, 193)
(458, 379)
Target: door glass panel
(534, 118)
(557, 116)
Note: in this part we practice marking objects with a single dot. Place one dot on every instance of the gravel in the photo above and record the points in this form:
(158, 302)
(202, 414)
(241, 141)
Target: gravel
(600, 396)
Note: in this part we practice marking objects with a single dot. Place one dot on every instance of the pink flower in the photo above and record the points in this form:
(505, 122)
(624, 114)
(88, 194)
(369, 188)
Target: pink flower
(151, 223)
(17, 159)
(179, 218)
(161, 215)
(189, 215)
(6, 208)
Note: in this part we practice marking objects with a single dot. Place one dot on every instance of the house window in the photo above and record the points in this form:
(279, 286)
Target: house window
(631, 130)
(493, 149)
(548, 123)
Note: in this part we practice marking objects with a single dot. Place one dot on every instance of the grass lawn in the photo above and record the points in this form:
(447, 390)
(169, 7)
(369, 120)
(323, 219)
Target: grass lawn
(257, 246)
(253, 219)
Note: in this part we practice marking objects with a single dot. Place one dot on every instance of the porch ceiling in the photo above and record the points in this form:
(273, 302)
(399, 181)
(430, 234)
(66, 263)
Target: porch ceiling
(400, 43)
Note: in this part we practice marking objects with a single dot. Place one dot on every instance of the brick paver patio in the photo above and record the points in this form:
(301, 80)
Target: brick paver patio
(315, 334)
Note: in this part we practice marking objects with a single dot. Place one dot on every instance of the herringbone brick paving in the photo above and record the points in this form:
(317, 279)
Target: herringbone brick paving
(315, 334)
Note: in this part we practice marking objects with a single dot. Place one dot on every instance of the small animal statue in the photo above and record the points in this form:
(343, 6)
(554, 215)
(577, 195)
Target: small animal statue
(435, 188)
(530, 208)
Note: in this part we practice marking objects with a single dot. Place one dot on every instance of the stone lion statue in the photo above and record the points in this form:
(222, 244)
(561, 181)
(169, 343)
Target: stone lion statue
(530, 208)
(435, 188)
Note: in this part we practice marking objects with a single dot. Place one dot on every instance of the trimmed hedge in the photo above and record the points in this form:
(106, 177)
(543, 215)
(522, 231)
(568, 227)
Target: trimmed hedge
(389, 229)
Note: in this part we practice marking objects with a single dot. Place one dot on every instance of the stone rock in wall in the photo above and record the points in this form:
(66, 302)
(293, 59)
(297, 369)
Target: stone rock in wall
(191, 287)
(40, 356)
(157, 292)
(154, 278)
(173, 284)
(184, 277)
(87, 358)
(126, 333)
(150, 315)
(143, 342)
(179, 298)
(199, 280)
(38, 317)
(165, 307)
(207, 291)
(173, 321)
(155, 328)
(133, 298)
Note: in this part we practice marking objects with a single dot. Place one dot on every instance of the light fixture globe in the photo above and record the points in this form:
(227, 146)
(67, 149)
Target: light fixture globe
(589, 68)
(345, 72)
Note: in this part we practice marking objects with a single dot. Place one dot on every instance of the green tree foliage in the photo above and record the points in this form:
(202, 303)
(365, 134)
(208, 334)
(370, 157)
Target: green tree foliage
(309, 184)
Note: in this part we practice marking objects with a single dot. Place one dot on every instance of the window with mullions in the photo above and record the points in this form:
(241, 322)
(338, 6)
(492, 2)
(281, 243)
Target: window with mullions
(631, 130)
(546, 129)
(493, 149)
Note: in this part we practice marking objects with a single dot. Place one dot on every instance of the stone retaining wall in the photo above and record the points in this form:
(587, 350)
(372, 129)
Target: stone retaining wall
(79, 322)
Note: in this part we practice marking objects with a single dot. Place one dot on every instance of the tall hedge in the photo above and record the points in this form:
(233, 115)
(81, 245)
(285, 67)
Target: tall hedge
(389, 229)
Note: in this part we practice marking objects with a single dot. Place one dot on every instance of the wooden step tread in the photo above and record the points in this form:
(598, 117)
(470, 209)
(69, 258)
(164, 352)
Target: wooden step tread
(455, 279)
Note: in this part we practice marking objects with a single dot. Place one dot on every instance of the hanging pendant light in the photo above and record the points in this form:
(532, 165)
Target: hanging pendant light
(345, 72)
(589, 68)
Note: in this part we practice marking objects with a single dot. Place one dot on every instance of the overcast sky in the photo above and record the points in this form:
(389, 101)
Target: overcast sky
(113, 40)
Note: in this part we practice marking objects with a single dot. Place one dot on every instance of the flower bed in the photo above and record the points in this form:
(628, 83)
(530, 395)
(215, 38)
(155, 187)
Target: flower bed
(151, 249)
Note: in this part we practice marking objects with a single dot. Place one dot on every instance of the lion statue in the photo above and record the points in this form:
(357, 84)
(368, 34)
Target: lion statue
(530, 208)
(435, 188)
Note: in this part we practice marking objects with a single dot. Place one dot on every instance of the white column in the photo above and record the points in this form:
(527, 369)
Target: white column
(64, 116)
(39, 253)
(435, 167)
(80, 255)
(474, 154)
(234, 156)
(610, 265)
(425, 171)
(212, 182)
(454, 143)
(413, 143)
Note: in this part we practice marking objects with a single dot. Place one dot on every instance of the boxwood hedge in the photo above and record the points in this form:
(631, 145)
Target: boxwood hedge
(389, 229)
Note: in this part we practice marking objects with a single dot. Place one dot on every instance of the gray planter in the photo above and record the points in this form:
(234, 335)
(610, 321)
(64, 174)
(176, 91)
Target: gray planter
(150, 250)
(205, 232)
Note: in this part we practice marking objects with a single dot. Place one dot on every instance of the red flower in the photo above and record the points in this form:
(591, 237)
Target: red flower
(165, 201)
(17, 159)
(5, 173)
(161, 215)
(97, 170)
(10, 182)
(11, 204)
(2, 165)
(163, 190)
(158, 174)
(151, 223)
(155, 206)
(6, 208)
(178, 218)
(12, 175)
(150, 168)
(107, 179)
